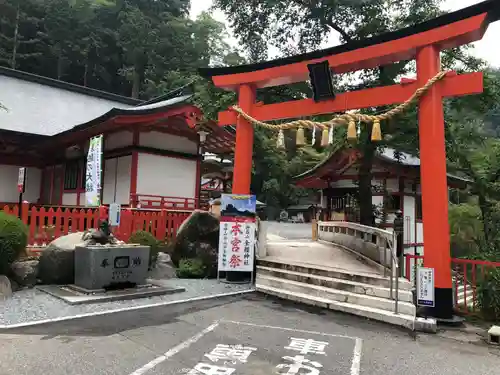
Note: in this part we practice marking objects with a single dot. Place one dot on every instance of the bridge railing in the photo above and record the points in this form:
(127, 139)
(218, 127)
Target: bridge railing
(378, 245)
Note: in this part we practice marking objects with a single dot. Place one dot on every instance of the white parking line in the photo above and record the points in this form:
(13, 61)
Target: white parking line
(176, 349)
(289, 329)
(356, 357)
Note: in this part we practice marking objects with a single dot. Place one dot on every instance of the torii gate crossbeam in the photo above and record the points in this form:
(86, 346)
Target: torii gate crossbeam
(423, 43)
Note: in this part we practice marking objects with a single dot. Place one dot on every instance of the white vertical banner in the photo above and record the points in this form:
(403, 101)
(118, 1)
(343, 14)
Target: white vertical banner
(93, 173)
(425, 287)
(236, 245)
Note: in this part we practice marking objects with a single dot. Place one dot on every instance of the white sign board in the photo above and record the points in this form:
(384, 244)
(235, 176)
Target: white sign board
(236, 246)
(21, 179)
(425, 287)
(93, 173)
(114, 214)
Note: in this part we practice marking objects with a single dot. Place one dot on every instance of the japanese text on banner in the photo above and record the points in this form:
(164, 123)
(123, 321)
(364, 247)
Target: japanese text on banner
(93, 173)
(236, 245)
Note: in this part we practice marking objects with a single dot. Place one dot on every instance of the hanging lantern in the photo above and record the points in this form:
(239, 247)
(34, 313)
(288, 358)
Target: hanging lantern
(351, 131)
(300, 138)
(281, 140)
(376, 132)
(324, 137)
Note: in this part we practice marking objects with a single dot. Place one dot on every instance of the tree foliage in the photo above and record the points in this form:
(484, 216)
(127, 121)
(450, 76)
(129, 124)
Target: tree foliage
(121, 46)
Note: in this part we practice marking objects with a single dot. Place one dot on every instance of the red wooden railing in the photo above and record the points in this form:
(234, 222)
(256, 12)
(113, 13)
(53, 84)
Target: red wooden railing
(466, 273)
(46, 224)
(161, 202)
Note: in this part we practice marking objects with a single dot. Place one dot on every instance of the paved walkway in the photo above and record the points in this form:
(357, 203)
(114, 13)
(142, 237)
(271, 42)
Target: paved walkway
(316, 253)
(273, 338)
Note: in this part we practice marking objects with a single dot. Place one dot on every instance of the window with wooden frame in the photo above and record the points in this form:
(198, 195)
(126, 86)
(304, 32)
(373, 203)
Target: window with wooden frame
(74, 175)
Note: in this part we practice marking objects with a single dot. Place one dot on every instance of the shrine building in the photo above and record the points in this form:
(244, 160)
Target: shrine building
(152, 150)
(395, 187)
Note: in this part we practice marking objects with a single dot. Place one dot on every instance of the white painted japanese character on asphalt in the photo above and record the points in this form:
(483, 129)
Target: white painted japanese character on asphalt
(230, 353)
(299, 362)
(206, 369)
(307, 346)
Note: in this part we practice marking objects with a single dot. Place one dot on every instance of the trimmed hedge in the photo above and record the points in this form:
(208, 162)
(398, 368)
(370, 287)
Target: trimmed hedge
(13, 240)
(147, 239)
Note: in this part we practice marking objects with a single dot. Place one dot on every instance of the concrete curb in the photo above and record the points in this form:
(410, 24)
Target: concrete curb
(125, 309)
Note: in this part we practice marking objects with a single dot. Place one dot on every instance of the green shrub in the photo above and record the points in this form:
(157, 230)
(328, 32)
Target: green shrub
(488, 295)
(13, 240)
(191, 269)
(147, 239)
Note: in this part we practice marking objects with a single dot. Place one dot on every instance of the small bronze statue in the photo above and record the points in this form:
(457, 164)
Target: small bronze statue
(101, 236)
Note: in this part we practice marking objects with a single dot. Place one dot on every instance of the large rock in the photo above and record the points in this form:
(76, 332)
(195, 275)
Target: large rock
(5, 287)
(163, 268)
(57, 262)
(25, 272)
(198, 237)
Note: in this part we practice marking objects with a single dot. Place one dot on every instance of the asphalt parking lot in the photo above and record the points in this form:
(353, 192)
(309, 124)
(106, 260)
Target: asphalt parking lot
(240, 335)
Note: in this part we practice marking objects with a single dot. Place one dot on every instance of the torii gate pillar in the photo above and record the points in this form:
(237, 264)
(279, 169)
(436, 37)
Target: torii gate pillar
(434, 182)
(242, 174)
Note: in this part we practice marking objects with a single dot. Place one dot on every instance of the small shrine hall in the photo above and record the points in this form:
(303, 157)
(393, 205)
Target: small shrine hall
(152, 150)
(395, 187)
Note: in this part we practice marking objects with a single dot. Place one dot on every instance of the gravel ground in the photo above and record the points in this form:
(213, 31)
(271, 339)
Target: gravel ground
(33, 305)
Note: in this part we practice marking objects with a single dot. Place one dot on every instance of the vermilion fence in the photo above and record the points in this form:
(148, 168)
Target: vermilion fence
(46, 224)
(467, 275)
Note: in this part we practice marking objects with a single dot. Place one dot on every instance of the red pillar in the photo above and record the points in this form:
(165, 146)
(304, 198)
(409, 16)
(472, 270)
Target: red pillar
(134, 169)
(434, 183)
(242, 174)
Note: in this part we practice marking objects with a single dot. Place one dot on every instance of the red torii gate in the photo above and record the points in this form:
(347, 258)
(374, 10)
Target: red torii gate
(422, 42)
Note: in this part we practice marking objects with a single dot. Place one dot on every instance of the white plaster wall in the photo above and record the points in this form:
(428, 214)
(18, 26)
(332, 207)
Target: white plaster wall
(122, 177)
(377, 200)
(165, 176)
(8, 184)
(420, 232)
(71, 199)
(169, 142)
(409, 213)
(118, 140)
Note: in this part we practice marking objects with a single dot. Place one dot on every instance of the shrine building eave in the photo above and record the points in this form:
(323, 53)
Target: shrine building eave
(447, 31)
(176, 116)
(335, 166)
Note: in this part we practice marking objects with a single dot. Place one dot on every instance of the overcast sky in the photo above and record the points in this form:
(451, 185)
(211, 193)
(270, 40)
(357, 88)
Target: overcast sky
(485, 48)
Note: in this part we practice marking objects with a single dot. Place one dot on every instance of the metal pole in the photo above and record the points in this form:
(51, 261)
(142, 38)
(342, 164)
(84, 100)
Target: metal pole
(20, 215)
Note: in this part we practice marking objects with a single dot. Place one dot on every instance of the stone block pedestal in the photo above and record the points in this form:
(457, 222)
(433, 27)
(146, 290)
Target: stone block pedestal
(102, 267)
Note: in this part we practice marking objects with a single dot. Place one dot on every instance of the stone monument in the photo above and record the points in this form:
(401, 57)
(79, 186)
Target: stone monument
(107, 270)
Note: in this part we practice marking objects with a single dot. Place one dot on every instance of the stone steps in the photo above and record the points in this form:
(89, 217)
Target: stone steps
(335, 283)
(363, 294)
(335, 273)
(406, 321)
(336, 294)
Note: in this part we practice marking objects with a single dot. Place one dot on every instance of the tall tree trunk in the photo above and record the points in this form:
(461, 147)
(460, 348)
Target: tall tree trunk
(16, 36)
(368, 149)
(366, 216)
